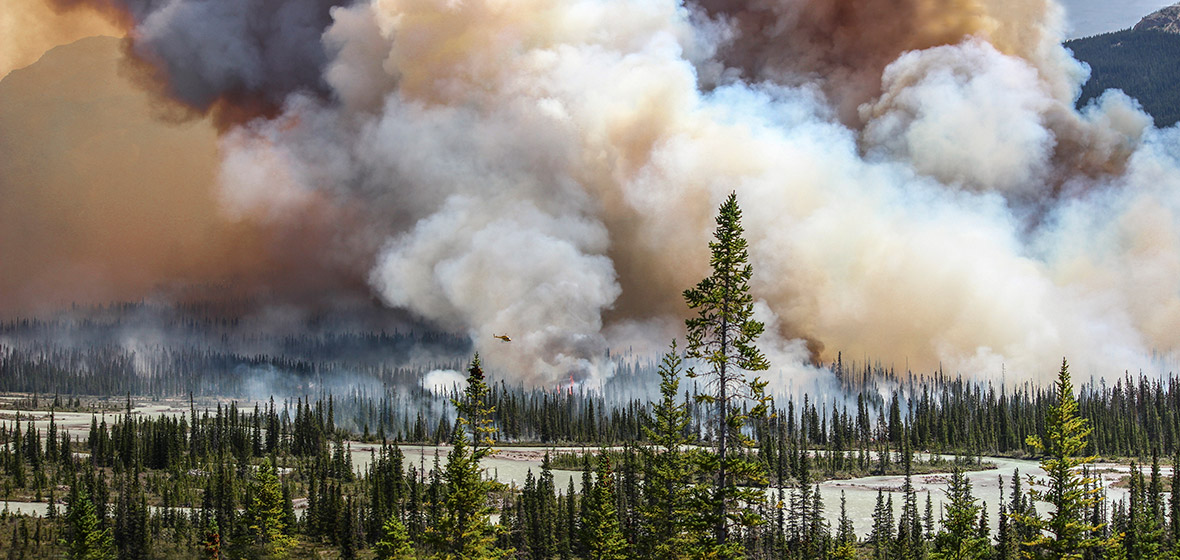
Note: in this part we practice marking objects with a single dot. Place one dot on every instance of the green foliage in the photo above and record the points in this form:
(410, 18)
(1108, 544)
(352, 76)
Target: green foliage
(87, 541)
(722, 335)
(265, 514)
(845, 531)
(1143, 64)
(670, 519)
(1066, 533)
(464, 530)
(959, 538)
(723, 332)
(602, 534)
(395, 542)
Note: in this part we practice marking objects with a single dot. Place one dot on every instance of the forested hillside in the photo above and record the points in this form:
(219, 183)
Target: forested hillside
(1144, 64)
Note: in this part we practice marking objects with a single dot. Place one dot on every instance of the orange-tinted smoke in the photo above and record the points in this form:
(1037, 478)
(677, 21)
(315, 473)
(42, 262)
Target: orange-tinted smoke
(846, 44)
(102, 202)
(28, 28)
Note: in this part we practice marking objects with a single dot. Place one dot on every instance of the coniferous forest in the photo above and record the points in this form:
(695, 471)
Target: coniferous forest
(1141, 63)
(686, 457)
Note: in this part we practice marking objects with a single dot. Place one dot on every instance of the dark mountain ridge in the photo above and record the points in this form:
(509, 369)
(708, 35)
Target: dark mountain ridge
(1143, 62)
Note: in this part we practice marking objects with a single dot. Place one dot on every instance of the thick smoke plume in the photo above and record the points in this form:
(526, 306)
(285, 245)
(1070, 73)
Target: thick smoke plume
(916, 183)
(235, 60)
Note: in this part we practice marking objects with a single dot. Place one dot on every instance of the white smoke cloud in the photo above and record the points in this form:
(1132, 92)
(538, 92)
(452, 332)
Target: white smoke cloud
(549, 170)
(442, 381)
(964, 114)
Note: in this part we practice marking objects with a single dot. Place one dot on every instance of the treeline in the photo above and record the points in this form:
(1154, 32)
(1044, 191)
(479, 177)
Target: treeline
(169, 350)
(225, 483)
(115, 370)
(1131, 416)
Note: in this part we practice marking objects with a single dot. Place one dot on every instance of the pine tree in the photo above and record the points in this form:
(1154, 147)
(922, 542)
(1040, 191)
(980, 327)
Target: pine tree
(464, 530)
(130, 530)
(845, 532)
(722, 335)
(1174, 500)
(882, 534)
(264, 513)
(845, 535)
(928, 518)
(668, 515)
(212, 542)
(1066, 533)
(87, 541)
(395, 541)
(544, 530)
(959, 538)
(601, 530)
(909, 544)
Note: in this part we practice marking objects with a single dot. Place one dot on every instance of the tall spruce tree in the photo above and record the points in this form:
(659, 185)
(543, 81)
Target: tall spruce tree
(959, 538)
(601, 529)
(264, 513)
(1065, 533)
(845, 548)
(1174, 501)
(464, 530)
(722, 336)
(668, 515)
(87, 540)
(395, 541)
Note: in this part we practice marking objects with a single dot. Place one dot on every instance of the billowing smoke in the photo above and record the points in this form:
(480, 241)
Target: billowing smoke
(917, 186)
(234, 60)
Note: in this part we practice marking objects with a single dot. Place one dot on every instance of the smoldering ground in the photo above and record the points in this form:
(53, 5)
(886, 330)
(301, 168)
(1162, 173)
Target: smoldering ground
(917, 187)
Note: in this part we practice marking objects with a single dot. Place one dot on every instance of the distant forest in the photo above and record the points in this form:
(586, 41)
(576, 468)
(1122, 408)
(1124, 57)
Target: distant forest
(1143, 64)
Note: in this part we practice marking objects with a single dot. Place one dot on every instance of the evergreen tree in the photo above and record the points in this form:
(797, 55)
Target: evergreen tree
(601, 530)
(543, 514)
(1174, 500)
(212, 543)
(264, 513)
(909, 544)
(959, 538)
(668, 515)
(464, 530)
(395, 541)
(130, 530)
(1066, 533)
(87, 540)
(722, 335)
(845, 535)
(882, 534)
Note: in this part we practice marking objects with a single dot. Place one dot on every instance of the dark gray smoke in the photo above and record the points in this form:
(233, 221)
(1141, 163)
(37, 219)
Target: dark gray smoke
(235, 58)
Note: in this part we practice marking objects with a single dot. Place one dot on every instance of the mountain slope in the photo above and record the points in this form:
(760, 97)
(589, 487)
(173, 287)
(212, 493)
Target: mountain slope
(1144, 62)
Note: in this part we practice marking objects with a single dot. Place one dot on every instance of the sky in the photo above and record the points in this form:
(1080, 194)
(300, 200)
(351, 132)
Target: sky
(1092, 17)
